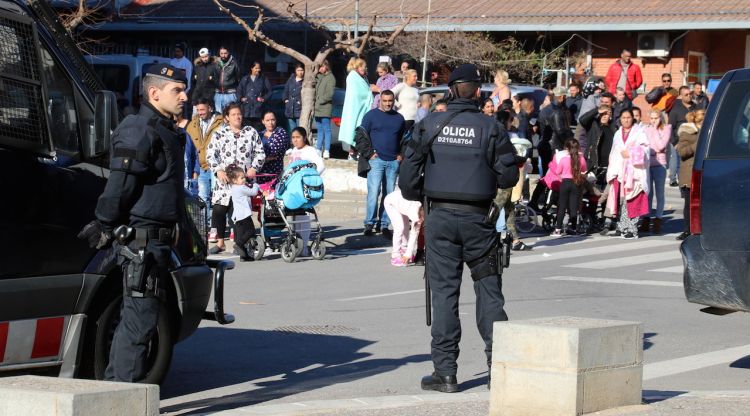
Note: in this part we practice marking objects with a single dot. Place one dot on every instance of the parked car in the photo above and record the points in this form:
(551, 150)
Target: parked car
(716, 255)
(536, 93)
(122, 75)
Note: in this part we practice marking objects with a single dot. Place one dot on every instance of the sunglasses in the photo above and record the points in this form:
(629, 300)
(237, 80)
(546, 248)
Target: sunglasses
(666, 80)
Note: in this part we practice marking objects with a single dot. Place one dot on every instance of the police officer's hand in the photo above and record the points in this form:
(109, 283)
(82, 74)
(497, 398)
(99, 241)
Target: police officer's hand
(96, 235)
(399, 157)
(222, 176)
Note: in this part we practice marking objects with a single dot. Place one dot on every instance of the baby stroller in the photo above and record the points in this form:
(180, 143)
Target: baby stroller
(283, 200)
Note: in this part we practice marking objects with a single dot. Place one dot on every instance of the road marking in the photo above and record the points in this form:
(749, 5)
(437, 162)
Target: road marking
(382, 295)
(591, 251)
(694, 362)
(628, 260)
(616, 281)
(673, 269)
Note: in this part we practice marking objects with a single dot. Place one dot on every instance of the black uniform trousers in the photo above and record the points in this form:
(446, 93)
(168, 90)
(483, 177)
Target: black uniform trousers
(139, 317)
(454, 237)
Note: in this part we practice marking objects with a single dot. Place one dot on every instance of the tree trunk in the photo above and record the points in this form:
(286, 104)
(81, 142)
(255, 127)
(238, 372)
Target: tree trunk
(308, 96)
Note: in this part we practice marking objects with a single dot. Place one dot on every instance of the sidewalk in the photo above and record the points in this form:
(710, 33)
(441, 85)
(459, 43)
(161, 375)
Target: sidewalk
(476, 404)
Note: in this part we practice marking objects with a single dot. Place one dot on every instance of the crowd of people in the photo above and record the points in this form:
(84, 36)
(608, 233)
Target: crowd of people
(589, 139)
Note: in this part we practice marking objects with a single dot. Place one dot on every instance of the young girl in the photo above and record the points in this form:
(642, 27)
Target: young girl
(244, 229)
(301, 150)
(570, 167)
(401, 211)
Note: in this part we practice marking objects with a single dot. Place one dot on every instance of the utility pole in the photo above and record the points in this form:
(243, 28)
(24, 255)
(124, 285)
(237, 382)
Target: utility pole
(356, 18)
(426, 39)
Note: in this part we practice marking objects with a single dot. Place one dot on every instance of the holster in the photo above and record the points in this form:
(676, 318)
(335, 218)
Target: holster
(487, 265)
(138, 262)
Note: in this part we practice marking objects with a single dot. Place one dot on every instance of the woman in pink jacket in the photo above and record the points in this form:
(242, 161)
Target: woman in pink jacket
(658, 133)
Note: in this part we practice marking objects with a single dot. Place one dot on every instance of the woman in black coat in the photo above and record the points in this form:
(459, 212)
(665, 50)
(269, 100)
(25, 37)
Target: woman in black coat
(253, 91)
(293, 96)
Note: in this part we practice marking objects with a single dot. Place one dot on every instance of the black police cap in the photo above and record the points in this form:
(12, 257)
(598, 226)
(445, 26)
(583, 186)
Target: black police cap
(167, 72)
(465, 73)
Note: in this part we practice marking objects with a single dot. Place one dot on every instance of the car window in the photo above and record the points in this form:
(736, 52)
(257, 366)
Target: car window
(731, 130)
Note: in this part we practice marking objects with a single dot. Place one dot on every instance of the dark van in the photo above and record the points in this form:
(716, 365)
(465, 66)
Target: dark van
(59, 299)
(716, 255)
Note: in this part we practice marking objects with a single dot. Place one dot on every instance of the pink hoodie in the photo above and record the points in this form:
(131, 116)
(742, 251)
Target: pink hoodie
(564, 167)
(658, 139)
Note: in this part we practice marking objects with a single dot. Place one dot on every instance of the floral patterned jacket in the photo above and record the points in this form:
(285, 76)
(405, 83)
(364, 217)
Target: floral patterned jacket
(226, 147)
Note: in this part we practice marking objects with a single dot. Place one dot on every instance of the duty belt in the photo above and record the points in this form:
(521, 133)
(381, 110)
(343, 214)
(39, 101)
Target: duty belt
(479, 207)
(163, 235)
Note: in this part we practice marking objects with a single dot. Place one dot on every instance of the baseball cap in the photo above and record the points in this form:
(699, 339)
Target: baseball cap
(464, 73)
(203, 52)
(167, 72)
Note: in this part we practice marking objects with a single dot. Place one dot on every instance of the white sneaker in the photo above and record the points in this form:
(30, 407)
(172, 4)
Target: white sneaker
(319, 152)
(326, 155)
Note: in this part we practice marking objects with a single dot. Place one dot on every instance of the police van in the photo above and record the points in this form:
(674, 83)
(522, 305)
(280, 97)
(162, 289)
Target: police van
(122, 74)
(59, 299)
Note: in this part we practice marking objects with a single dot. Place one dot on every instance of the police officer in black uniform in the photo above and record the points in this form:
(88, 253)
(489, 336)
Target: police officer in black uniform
(457, 160)
(144, 195)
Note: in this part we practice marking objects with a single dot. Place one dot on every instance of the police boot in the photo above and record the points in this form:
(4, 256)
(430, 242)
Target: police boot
(444, 384)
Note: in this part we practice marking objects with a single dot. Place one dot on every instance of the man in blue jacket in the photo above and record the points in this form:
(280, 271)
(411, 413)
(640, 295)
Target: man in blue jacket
(386, 127)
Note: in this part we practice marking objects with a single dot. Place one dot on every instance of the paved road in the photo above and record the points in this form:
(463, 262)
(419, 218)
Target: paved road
(352, 326)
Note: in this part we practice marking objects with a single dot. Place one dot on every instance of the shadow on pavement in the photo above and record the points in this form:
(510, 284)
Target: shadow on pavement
(743, 362)
(647, 340)
(655, 396)
(283, 363)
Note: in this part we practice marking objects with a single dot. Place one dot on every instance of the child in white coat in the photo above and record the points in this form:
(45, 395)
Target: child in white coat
(401, 211)
(242, 214)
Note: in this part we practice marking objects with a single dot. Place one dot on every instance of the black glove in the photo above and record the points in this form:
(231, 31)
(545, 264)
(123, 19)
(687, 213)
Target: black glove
(96, 235)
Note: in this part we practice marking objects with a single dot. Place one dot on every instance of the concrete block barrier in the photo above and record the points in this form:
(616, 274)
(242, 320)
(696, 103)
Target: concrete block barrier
(34, 395)
(565, 366)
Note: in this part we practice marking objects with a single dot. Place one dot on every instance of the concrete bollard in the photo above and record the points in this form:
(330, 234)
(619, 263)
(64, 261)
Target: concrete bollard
(565, 366)
(34, 395)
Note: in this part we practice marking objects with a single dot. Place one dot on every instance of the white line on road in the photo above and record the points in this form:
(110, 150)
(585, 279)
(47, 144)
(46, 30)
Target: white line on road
(617, 281)
(673, 269)
(590, 251)
(626, 261)
(382, 295)
(694, 362)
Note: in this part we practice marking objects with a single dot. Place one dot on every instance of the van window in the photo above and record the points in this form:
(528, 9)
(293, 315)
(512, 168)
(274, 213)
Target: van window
(114, 77)
(729, 138)
(61, 108)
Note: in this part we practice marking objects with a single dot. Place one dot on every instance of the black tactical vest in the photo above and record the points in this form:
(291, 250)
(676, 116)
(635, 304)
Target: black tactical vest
(162, 198)
(457, 167)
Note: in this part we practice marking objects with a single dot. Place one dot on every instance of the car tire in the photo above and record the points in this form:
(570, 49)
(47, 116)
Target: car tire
(160, 352)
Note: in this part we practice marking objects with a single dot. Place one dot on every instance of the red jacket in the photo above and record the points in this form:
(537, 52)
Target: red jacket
(634, 78)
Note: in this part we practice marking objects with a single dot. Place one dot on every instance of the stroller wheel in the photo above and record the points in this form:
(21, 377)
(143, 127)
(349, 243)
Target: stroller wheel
(318, 249)
(299, 244)
(288, 251)
(258, 247)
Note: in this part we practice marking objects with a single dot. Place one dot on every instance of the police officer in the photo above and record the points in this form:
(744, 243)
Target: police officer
(465, 157)
(144, 193)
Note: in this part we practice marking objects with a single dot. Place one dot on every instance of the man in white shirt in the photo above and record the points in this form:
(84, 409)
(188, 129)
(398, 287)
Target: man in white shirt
(179, 61)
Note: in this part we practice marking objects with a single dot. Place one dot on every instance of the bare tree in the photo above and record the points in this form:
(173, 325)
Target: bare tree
(524, 64)
(84, 15)
(339, 41)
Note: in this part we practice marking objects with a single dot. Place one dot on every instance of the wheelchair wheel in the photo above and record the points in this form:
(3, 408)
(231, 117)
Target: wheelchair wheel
(525, 218)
